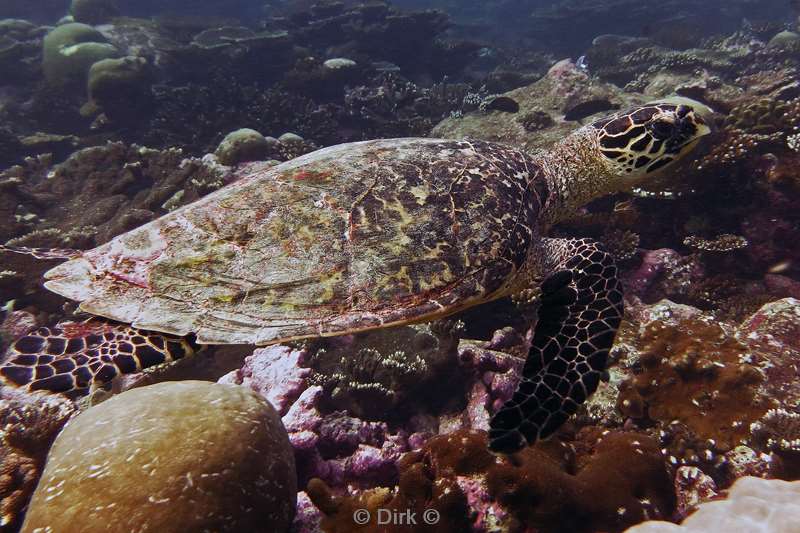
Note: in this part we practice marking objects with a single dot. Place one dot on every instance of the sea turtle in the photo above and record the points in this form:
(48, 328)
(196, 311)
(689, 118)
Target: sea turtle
(368, 235)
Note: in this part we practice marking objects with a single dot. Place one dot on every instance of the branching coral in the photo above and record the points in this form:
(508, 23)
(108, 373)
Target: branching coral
(375, 373)
(778, 429)
(721, 243)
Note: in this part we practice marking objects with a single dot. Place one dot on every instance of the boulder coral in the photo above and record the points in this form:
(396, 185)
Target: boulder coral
(70, 50)
(191, 455)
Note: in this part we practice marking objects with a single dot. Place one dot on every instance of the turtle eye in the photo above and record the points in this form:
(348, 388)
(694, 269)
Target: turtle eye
(662, 129)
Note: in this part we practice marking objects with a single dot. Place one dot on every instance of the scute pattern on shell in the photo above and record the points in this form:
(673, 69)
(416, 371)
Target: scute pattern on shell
(347, 238)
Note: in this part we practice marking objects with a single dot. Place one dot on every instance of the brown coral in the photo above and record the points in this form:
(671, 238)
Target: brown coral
(613, 482)
(696, 373)
(620, 482)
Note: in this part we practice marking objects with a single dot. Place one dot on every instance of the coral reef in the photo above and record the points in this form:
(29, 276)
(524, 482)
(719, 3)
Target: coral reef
(548, 109)
(703, 374)
(29, 425)
(691, 369)
(70, 50)
(120, 88)
(243, 145)
(214, 447)
(379, 373)
(444, 479)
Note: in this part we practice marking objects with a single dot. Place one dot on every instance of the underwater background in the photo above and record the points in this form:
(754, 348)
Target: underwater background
(116, 112)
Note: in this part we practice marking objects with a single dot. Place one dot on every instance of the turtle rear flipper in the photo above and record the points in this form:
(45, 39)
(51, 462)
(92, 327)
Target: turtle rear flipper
(581, 308)
(76, 358)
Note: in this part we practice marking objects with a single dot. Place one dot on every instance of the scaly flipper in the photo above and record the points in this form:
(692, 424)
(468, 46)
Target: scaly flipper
(75, 358)
(581, 308)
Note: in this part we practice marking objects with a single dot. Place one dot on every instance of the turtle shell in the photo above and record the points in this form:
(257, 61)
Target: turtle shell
(348, 238)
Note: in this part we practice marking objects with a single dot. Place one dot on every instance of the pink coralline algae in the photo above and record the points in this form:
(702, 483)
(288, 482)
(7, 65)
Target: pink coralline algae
(662, 273)
(275, 373)
(17, 324)
(351, 453)
(488, 513)
(772, 334)
(692, 487)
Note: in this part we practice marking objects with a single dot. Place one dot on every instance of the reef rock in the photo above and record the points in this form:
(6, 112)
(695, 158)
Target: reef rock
(191, 455)
(273, 372)
(773, 334)
(457, 484)
(547, 110)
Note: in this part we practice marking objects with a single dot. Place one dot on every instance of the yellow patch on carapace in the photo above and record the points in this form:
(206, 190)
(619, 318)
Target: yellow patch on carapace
(420, 192)
(401, 277)
(328, 284)
(304, 236)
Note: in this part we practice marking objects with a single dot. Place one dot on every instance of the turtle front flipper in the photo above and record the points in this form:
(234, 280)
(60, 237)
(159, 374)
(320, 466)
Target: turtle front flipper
(581, 308)
(75, 358)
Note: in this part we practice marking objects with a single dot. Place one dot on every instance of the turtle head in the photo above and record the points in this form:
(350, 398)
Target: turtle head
(641, 142)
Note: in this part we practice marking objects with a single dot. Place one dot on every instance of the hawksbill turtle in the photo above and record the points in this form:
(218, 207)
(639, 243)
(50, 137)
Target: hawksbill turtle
(368, 235)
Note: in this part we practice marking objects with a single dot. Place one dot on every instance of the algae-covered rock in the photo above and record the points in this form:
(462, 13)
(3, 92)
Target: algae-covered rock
(546, 111)
(70, 50)
(176, 456)
(120, 87)
(93, 11)
(243, 145)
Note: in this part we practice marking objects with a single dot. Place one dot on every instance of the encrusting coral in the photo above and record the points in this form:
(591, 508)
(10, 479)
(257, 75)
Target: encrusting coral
(694, 372)
(619, 480)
